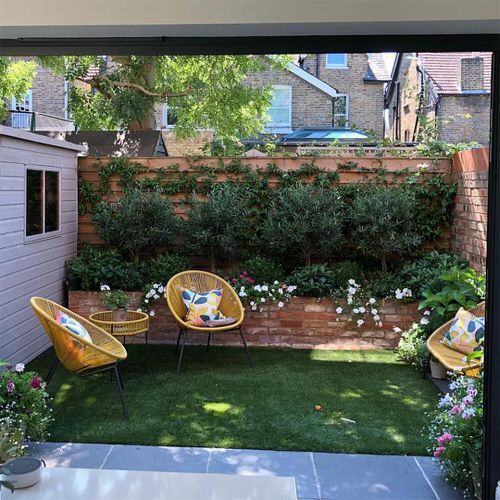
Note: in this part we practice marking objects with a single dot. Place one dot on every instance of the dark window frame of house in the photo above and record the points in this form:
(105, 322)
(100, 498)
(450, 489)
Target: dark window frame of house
(44, 206)
(348, 44)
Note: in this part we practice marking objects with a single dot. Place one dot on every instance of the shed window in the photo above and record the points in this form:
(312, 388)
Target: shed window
(42, 202)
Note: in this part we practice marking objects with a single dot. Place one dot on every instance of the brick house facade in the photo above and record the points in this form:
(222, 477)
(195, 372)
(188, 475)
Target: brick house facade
(453, 88)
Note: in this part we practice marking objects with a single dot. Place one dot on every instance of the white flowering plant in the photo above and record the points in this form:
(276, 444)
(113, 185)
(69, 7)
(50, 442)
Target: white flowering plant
(151, 293)
(456, 432)
(256, 295)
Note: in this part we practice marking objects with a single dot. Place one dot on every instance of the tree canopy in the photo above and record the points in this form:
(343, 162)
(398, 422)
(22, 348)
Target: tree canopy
(16, 78)
(207, 92)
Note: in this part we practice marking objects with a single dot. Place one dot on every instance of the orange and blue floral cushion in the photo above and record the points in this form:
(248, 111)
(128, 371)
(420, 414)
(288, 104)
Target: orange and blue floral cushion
(466, 333)
(202, 306)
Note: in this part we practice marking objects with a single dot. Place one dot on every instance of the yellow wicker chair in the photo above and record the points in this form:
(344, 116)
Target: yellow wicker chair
(78, 355)
(450, 359)
(201, 281)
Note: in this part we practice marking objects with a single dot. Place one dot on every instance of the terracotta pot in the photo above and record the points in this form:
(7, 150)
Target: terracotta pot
(438, 370)
(119, 315)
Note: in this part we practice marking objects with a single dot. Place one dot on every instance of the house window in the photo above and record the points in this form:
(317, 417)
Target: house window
(336, 61)
(42, 202)
(169, 116)
(341, 111)
(280, 110)
(407, 135)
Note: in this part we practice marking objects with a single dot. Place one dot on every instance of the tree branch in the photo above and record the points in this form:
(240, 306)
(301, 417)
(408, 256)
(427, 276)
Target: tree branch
(97, 78)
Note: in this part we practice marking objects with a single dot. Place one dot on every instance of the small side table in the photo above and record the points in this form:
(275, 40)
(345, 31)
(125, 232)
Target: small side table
(137, 323)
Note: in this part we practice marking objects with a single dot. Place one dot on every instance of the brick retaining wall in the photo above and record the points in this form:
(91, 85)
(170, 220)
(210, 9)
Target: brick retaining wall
(303, 323)
(470, 171)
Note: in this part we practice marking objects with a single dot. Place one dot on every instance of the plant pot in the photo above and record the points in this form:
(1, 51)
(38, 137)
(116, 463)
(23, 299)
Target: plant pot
(119, 315)
(73, 283)
(23, 472)
(438, 370)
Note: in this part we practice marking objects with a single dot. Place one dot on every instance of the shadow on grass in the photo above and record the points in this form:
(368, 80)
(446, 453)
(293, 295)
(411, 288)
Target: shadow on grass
(370, 403)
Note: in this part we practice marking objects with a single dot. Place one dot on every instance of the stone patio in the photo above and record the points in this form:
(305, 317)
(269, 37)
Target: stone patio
(317, 475)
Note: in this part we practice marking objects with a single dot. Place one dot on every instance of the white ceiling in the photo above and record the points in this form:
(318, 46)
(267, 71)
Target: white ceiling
(104, 18)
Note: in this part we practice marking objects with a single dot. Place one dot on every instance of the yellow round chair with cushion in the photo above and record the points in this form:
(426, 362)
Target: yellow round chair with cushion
(201, 281)
(75, 353)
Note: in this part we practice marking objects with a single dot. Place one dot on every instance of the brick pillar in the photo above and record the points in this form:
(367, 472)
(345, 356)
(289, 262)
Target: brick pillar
(472, 74)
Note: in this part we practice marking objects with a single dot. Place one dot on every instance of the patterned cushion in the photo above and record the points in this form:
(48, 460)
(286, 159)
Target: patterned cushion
(466, 333)
(73, 326)
(202, 306)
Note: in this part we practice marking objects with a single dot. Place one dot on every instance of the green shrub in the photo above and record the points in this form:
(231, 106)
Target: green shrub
(412, 348)
(383, 284)
(305, 222)
(316, 280)
(424, 273)
(139, 220)
(215, 228)
(161, 268)
(383, 224)
(95, 266)
(263, 269)
(345, 270)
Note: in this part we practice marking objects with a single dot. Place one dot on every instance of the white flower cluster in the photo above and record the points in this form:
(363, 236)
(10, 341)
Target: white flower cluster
(402, 294)
(154, 293)
(105, 288)
(258, 295)
(358, 306)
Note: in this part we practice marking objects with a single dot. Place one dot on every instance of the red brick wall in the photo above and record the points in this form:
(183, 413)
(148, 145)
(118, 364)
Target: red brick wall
(302, 323)
(470, 171)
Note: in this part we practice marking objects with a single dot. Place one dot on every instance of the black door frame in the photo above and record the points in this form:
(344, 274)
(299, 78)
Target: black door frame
(355, 43)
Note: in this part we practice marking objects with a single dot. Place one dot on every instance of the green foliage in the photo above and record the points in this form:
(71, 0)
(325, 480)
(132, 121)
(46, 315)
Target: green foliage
(115, 299)
(24, 402)
(382, 223)
(382, 284)
(345, 270)
(95, 266)
(216, 227)
(424, 272)
(137, 221)
(316, 280)
(263, 269)
(304, 221)
(15, 80)
(412, 347)
(462, 288)
(11, 441)
(161, 268)
(206, 92)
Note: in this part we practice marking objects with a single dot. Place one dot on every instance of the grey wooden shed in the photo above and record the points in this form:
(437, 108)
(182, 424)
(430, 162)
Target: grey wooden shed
(38, 233)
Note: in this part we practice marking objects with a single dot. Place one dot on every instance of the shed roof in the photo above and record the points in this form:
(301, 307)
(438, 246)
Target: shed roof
(40, 139)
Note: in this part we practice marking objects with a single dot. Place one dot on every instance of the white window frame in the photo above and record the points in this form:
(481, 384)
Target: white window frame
(280, 128)
(43, 235)
(164, 117)
(346, 124)
(336, 65)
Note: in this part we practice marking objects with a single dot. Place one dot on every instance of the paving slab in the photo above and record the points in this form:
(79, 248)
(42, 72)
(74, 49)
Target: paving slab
(361, 477)
(432, 472)
(88, 456)
(157, 458)
(268, 463)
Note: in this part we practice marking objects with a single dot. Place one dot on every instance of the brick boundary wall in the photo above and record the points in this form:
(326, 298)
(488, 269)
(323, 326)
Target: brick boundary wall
(304, 322)
(468, 229)
(88, 170)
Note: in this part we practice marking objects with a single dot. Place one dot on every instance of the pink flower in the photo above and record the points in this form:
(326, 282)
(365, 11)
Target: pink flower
(439, 451)
(467, 400)
(245, 273)
(234, 280)
(10, 387)
(472, 392)
(455, 410)
(445, 438)
(36, 382)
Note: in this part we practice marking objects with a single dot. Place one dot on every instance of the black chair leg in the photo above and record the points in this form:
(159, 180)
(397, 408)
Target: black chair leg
(52, 370)
(120, 377)
(178, 340)
(208, 342)
(179, 362)
(119, 386)
(426, 367)
(246, 348)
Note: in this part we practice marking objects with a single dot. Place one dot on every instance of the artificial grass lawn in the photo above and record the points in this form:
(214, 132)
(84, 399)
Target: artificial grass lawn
(370, 402)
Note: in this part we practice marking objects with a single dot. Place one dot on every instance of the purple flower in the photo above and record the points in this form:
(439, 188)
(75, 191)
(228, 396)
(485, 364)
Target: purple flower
(455, 410)
(36, 382)
(468, 413)
(10, 387)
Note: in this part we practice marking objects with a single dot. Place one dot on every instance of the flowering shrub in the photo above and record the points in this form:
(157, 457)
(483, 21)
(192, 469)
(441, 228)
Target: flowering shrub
(114, 299)
(412, 347)
(24, 402)
(151, 293)
(455, 432)
(256, 295)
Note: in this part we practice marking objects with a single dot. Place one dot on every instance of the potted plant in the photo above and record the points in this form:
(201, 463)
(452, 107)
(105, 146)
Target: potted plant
(438, 371)
(117, 301)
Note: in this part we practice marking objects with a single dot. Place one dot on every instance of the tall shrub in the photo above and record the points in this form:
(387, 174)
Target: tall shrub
(215, 228)
(304, 221)
(382, 223)
(139, 220)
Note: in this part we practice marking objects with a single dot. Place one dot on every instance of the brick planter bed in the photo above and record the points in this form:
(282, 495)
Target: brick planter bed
(304, 322)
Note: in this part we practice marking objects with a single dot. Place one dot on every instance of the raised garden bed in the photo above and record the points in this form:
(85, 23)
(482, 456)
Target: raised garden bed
(304, 322)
